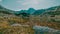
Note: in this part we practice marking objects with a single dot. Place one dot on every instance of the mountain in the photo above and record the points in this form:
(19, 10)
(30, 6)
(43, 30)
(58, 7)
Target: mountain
(49, 10)
(4, 10)
(31, 10)
(1, 7)
(38, 12)
(28, 12)
(53, 10)
(21, 11)
(52, 14)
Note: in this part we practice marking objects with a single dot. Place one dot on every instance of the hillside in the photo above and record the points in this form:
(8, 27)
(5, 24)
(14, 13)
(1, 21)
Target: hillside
(2, 9)
(8, 18)
(38, 12)
(53, 12)
(52, 16)
(13, 22)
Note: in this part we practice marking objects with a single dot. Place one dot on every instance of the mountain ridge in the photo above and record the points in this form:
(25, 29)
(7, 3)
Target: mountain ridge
(31, 11)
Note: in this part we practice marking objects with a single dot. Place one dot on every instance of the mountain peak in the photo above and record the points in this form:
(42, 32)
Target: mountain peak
(31, 9)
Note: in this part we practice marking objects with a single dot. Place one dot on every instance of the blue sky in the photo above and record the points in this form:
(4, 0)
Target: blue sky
(25, 4)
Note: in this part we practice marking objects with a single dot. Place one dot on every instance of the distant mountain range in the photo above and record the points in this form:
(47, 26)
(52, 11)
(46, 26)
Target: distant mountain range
(51, 11)
(31, 11)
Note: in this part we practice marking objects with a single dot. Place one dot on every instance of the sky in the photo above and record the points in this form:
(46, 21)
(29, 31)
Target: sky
(26, 4)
